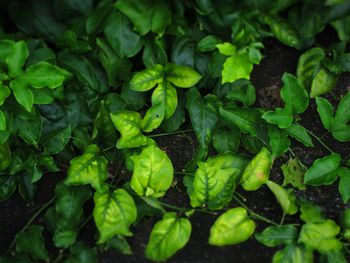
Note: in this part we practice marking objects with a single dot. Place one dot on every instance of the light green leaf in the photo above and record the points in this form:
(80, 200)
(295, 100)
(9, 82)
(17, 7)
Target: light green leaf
(4, 93)
(321, 236)
(128, 123)
(16, 58)
(257, 172)
(325, 110)
(113, 213)
(147, 78)
(293, 254)
(277, 235)
(226, 49)
(283, 117)
(310, 212)
(299, 133)
(88, 168)
(284, 197)
(308, 65)
(344, 183)
(293, 94)
(31, 241)
(279, 141)
(232, 227)
(43, 75)
(237, 66)
(293, 173)
(323, 82)
(214, 182)
(167, 237)
(23, 94)
(182, 76)
(153, 172)
(323, 171)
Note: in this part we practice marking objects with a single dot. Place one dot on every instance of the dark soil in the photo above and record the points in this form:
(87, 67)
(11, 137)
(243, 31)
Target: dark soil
(180, 148)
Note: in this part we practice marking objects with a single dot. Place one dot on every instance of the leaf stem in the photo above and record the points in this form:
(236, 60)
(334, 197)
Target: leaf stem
(46, 205)
(253, 214)
(169, 133)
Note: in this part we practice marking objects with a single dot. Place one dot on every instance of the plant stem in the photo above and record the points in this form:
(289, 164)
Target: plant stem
(172, 206)
(282, 219)
(46, 205)
(317, 138)
(182, 173)
(253, 214)
(169, 133)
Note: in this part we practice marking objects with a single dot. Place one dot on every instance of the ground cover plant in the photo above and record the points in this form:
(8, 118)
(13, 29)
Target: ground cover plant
(148, 130)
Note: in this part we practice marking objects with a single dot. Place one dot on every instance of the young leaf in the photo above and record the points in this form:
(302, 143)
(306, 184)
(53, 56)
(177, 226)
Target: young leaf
(257, 172)
(113, 213)
(32, 242)
(293, 173)
(294, 254)
(167, 237)
(284, 197)
(214, 183)
(277, 235)
(323, 171)
(44, 74)
(344, 183)
(16, 58)
(325, 110)
(153, 172)
(231, 228)
(88, 168)
(321, 236)
(128, 123)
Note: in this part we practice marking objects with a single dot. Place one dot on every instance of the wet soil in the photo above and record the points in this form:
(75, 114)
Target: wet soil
(180, 148)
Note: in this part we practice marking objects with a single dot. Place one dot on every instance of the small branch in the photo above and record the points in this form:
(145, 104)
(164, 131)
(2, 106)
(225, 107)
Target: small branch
(170, 133)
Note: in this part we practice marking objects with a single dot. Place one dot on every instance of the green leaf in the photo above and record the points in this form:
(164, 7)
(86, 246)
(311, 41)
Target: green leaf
(120, 244)
(232, 227)
(242, 91)
(167, 237)
(299, 133)
(293, 254)
(283, 117)
(68, 213)
(323, 82)
(55, 141)
(226, 139)
(284, 197)
(153, 172)
(310, 212)
(182, 76)
(32, 242)
(3, 121)
(246, 119)
(308, 65)
(79, 253)
(293, 173)
(208, 43)
(323, 171)
(344, 183)
(203, 116)
(5, 156)
(128, 123)
(113, 213)
(8, 185)
(325, 110)
(23, 94)
(43, 75)
(147, 78)
(277, 235)
(321, 236)
(293, 94)
(341, 128)
(257, 172)
(342, 28)
(88, 168)
(146, 15)
(16, 58)
(121, 37)
(4, 93)
(279, 141)
(214, 182)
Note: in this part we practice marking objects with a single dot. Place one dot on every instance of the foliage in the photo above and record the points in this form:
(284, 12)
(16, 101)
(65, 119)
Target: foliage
(86, 87)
